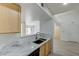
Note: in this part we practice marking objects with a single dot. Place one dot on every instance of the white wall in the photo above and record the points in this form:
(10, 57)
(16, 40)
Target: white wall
(28, 20)
(36, 27)
(46, 26)
(69, 24)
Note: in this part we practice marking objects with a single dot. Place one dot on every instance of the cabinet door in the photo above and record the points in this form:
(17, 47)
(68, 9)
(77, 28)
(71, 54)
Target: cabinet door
(45, 48)
(42, 50)
(48, 47)
(9, 20)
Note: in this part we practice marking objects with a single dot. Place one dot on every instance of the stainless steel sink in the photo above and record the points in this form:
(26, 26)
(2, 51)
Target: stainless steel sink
(39, 41)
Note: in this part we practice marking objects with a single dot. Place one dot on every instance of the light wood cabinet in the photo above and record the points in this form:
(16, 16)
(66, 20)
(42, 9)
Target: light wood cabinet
(45, 48)
(42, 50)
(48, 47)
(9, 18)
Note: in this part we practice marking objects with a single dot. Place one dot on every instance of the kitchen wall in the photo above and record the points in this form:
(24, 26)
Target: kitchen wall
(28, 20)
(31, 14)
(69, 25)
(46, 26)
(36, 26)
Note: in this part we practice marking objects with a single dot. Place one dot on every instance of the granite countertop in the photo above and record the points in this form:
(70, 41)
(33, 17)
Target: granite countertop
(20, 49)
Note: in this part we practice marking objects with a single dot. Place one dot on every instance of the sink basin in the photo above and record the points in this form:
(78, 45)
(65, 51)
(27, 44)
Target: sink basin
(39, 41)
(42, 39)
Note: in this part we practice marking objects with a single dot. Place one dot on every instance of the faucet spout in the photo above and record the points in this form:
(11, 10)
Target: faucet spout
(37, 35)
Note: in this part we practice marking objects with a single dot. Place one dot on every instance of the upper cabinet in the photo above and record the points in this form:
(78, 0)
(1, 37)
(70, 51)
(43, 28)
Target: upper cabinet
(10, 18)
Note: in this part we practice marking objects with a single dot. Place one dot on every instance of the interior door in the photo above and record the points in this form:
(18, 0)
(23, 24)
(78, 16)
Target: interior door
(57, 35)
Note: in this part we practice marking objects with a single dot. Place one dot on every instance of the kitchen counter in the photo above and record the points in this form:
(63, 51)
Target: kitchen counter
(21, 48)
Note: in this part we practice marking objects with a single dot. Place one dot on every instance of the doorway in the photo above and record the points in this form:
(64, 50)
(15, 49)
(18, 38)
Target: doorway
(56, 39)
(57, 35)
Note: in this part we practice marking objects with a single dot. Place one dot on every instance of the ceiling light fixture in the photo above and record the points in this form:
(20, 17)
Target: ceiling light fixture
(42, 4)
(65, 3)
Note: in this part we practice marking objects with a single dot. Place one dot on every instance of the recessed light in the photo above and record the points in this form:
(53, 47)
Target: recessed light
(65, 3)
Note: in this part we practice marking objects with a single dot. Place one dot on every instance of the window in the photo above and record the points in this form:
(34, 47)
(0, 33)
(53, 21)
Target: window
(28, 30)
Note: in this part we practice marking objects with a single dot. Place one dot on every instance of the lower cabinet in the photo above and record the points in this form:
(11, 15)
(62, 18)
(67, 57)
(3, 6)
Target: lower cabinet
(42, 50)
(48, 48)
(45, 48)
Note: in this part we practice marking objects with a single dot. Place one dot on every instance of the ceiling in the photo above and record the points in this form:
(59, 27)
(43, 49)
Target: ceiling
(34, 11)
(56, 8)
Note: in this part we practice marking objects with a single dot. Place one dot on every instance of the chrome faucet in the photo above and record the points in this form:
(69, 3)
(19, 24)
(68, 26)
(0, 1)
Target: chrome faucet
(37, 35)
